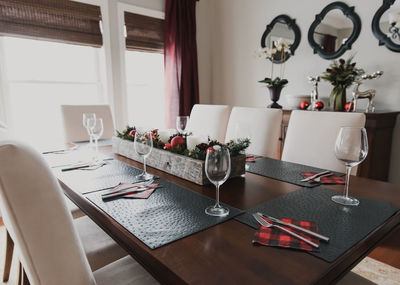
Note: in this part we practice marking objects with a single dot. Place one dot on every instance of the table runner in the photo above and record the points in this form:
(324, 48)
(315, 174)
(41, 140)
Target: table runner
(345, 226)
(169, 214)
(283, 170)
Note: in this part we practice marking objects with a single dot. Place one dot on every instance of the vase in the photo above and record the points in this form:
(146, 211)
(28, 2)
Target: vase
(274, 94)
(338, 98)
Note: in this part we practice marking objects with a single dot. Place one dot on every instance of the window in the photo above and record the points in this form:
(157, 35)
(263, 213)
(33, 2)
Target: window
(145, 89)
(39, 76)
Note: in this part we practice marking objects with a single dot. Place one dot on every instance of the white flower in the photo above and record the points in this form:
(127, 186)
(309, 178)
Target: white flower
(266, 52)
(281, 44)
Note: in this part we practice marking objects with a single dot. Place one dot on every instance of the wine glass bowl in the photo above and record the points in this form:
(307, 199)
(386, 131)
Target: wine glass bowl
(351, 148)
(96, 131)
(143, 145)
(182, 123)
(88, 125)
(217, 169)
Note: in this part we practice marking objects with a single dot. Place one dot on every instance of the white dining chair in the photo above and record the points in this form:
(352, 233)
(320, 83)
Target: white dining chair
(261, 125)
(52, 247)
(73, 123)
(209, 121)
(311, 136)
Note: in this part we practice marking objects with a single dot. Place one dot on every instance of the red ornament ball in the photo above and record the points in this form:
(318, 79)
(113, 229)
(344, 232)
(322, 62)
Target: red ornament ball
(349, 106)
(319, 105)
(210, 149)
(177, 141)
(304, 105)
(132, 133)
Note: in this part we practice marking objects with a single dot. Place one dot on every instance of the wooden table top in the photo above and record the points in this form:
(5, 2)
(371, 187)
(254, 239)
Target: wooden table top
(224, 253)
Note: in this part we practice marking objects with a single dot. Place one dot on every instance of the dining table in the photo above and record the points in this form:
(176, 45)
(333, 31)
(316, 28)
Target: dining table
(224, 253)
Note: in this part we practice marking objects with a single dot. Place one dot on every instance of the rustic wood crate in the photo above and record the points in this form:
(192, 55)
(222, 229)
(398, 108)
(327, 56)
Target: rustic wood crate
(176, 164)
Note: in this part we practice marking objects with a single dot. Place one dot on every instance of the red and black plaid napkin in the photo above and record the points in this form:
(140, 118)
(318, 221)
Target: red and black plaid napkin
(332, 179)
(276, 237)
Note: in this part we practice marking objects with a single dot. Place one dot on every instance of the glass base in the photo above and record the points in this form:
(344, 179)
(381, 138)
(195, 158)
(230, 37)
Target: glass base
(144, 176)
(347, 201)
(217, 211)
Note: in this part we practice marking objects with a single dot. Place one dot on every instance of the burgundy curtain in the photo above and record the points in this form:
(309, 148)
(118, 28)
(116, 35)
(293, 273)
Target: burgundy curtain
(180, 59)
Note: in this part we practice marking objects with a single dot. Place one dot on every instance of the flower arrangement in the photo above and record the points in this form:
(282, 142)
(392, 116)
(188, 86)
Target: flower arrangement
(341, 74)
(177, 144)
(278, 52)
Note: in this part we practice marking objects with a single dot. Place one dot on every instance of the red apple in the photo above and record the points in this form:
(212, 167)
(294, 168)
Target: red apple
(177, 141)
(349, 106)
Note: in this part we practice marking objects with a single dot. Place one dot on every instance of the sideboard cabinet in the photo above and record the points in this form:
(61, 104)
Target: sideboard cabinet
(379, 126)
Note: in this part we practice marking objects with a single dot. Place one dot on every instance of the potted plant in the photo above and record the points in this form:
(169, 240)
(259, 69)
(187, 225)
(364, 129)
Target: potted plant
(275, 85)
(341, 74)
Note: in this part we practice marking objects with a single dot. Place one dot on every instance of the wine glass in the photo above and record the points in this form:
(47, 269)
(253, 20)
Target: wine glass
(182, 124)
(96, 130)
(143, 145)
(351, 148)
(85, 120)
(218, 169)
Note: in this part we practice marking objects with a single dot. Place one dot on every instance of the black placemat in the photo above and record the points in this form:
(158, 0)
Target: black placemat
(169, 214)
(345, 226)
(109, 175)
(284, 171)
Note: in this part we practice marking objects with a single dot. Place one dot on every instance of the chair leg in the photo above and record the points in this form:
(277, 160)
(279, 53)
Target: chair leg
(25, 280)
(19, 273)
(8, 258)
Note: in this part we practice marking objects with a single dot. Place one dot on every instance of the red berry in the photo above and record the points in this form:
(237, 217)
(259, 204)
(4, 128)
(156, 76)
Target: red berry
(132, 133)
(304, 105)
(177, 141)
(167, 146)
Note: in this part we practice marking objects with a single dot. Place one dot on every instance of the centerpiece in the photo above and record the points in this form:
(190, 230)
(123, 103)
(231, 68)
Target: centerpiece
(173, 156)
(275, 54)
(341, 74)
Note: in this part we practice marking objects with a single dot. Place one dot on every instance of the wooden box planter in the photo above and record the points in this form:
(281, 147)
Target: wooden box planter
(176, 164)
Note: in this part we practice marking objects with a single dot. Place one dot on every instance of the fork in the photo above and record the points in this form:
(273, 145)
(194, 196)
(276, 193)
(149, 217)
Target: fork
(318, 179)
(264, 223)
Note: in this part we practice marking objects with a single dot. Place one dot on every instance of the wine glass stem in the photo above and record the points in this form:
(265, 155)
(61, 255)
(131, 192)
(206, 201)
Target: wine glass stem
(144, 165)
(96, 149)
(217, 205)
(346, 187)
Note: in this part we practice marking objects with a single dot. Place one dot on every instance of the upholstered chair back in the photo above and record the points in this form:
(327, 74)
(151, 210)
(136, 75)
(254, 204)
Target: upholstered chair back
(4, 132)
(73, 123)
(209, 120)
(311, 137)
(261, 125)
(37, 218)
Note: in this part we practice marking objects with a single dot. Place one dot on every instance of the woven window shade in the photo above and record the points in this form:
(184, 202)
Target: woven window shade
(144, 33)
(55, 20)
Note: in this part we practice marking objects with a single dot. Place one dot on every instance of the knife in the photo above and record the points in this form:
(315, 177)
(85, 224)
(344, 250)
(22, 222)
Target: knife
(315, 176)
(321, 237)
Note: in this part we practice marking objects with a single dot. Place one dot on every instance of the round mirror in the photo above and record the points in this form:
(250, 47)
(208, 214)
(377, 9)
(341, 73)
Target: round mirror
(281, 28)
(386, 25)
(334, 30)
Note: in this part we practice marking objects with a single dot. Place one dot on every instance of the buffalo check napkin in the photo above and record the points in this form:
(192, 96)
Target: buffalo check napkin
(332, 179)
(276, 237)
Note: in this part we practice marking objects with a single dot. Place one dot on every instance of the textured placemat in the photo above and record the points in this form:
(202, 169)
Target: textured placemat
(345, 226)
(169, 214)
(284, 171)
(109, 175)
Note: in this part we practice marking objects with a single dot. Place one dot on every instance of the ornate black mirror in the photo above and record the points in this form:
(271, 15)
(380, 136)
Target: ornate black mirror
(386, 24)
(334, 30)
(284, 28)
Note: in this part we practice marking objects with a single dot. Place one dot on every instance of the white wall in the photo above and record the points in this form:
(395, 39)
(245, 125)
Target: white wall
(236, 28)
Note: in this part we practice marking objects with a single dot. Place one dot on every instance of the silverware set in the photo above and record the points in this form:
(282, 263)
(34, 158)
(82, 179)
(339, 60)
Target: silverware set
(259, 217)
(317, 177)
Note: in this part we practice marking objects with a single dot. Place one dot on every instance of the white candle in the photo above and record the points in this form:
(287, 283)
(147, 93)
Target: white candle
(164, 135)
(192, 141)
